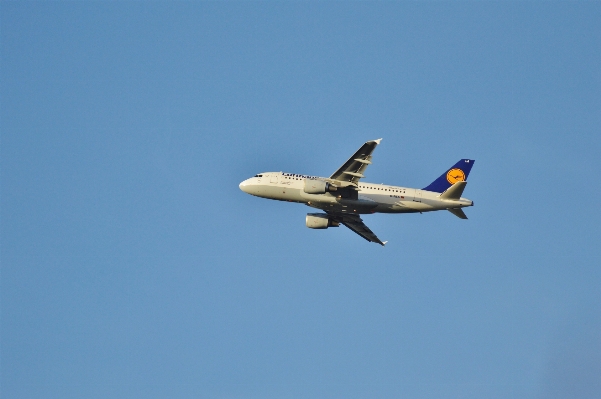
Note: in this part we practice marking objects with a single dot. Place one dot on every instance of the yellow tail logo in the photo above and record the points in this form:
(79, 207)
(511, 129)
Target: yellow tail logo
(455, 175)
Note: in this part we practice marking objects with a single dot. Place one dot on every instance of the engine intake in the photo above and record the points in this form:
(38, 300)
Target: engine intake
(320, 221)
(314, 186)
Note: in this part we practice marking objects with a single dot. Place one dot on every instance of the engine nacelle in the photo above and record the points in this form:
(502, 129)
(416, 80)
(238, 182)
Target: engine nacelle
(313, 186)
(320, 221)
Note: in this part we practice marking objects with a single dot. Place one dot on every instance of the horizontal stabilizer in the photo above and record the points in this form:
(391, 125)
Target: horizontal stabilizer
(458, 212)
(454, 192)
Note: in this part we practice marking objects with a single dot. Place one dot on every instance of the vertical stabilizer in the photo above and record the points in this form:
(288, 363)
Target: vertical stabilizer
(455, 173)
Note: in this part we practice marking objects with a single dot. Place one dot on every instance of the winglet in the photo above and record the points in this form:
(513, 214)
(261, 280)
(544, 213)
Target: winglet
(384, 243)
(377, 141)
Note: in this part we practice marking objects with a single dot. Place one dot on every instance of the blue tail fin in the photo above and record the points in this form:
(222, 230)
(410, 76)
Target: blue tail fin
(457, 172)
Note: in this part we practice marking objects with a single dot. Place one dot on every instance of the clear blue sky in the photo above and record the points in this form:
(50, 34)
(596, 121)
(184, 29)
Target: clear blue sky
(133, 266)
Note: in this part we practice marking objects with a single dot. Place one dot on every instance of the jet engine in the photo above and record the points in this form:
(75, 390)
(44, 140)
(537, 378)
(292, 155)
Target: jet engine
(313, 186)
(320, 221)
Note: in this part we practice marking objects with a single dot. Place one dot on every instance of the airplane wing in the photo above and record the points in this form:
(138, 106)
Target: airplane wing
(352, 170)
(355, 223)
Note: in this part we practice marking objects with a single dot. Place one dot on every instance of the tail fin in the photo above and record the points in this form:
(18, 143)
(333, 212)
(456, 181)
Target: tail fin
(457, 172)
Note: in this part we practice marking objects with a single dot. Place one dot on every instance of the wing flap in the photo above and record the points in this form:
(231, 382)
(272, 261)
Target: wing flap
(359, 175)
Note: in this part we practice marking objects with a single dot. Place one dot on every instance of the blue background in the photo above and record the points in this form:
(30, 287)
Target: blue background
(133, 266)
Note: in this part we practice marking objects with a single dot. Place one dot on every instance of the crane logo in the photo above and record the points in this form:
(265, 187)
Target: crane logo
(455, 175)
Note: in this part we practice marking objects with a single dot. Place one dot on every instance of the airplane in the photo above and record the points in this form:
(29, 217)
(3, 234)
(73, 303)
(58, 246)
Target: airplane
(343, 197)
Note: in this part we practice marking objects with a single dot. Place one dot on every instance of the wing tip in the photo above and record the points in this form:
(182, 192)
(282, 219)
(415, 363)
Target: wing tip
(383, 243)
(377, 141)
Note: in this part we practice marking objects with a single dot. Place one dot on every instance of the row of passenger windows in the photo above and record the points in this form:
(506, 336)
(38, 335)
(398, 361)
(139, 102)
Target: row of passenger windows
(298, 177)
(384, 189)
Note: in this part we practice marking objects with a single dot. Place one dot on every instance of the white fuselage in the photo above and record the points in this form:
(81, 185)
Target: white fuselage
(372, 198)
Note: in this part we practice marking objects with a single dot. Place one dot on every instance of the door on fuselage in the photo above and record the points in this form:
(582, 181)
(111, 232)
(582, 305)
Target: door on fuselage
(274, 178)
(417, 197)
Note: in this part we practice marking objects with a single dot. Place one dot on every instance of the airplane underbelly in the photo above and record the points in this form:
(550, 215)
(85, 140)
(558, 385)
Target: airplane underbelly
(404, 206)
(331, 203)
(408, 207)
(361, 205)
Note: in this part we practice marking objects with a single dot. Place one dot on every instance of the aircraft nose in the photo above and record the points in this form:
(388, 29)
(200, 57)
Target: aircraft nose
(244, 186)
